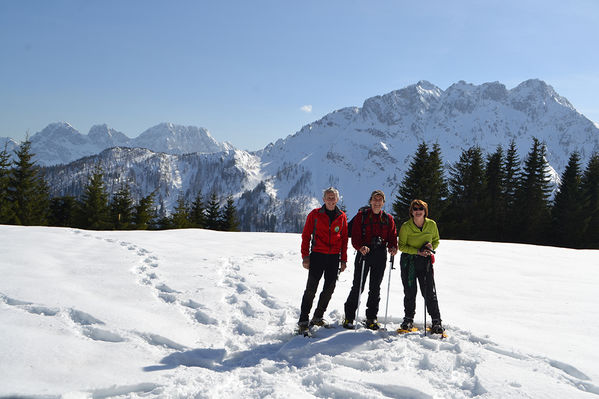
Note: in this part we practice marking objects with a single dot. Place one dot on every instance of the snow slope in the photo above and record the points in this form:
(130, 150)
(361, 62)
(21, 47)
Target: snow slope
(203, 314)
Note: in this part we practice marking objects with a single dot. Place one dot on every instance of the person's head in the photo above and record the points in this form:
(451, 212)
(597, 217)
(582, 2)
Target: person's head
(418, 208)
(377, 200)
(330, 196)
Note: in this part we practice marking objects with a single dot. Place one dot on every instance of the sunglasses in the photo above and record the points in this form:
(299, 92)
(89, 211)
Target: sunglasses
(418, 208)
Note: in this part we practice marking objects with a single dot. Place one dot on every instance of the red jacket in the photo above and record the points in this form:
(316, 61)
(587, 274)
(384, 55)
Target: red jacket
(374, 226)
(326, 237)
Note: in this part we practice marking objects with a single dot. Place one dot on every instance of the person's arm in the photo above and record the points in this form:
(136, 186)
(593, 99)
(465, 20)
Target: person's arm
(307, 236)
(436, 239)
(392, 237)
(403, 241)
(344, 238)
(356, 232)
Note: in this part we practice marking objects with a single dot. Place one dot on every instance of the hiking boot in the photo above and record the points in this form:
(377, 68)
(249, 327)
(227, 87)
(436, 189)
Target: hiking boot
(407, 324)
(347, 323)
(372, 324)
(303, 325)
(320, 322)
(303, 328)
(437, 328)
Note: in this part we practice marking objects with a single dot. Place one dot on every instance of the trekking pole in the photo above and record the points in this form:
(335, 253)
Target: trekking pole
(388, 290)
(428, 265)
(360, 292)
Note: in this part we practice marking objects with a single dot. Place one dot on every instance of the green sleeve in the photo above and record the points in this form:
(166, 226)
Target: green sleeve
(403, 241)
(436, 238)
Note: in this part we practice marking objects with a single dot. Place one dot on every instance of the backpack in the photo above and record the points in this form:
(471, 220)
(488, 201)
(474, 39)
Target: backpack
(364, 211)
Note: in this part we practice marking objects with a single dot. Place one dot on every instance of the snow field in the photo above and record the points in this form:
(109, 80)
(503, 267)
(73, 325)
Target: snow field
(195, 313)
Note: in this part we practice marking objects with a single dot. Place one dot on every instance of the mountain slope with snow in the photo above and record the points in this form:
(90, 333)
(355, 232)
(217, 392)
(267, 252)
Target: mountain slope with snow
(197, 313)
(356, 149)
(61, 143)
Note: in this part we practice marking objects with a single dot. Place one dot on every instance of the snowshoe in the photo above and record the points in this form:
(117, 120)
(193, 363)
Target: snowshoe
(303, 328)
(410, 330)
(407, 324)
(372, 324)
(437, 328)
(320, 322)
(349, 324)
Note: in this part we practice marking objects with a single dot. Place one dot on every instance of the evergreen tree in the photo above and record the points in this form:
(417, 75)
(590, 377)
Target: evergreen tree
(213, 213)
(435, 184)
(510, 186)
(567, 211)
(465, 218)
(180, 216)
(6, 214)
(62, 211)
(27, 190)
(423, 180)
(590, 194)
(197, 214)
(94, 212)
(121, 208)
(495, 210)
(144, 212)
(532, 198)
(229, 220)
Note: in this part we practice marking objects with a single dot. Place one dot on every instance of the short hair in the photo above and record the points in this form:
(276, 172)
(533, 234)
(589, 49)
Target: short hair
(377, 192)
(330, 190)
(420, 203)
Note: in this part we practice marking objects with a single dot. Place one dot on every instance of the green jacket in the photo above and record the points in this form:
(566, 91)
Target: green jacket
(411, 239)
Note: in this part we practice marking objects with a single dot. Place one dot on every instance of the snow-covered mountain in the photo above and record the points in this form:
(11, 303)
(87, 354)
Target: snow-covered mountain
(61, 143)
(359, 149)
(169, 175)
(9, 144)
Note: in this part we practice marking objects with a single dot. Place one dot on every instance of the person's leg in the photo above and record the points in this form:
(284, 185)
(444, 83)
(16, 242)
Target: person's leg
(377, 272)
(314, 274)
(352, 299)
(408, 279)
(330, 280)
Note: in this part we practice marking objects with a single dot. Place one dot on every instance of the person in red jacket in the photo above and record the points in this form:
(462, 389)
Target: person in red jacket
(373, 234)
(326, 232)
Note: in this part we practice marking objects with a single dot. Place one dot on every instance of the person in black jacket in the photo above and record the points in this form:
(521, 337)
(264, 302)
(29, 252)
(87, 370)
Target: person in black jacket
(373, 234)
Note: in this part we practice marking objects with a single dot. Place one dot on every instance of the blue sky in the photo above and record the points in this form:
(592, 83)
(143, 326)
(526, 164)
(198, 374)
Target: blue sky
(252, 72)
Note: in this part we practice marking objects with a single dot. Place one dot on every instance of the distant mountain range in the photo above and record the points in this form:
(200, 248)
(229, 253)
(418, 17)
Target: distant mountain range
(60, 143)
(357, 149)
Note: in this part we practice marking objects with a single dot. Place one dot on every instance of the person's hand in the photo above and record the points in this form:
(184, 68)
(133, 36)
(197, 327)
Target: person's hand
(306, 263)
(364, 250)
(343, 265)
(424, 253)
(425, 250)
(393, 251)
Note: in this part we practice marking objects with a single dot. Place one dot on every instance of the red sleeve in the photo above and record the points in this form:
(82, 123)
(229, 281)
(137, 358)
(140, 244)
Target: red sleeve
(356, 232)
(307, 235)
(392, 239)
(344, 239)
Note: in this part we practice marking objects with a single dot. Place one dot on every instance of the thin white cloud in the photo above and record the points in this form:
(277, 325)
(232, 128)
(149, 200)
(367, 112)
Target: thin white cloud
(306, 108)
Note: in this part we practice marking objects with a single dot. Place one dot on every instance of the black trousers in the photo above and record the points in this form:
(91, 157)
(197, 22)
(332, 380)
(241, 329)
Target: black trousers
(414, 267)
(376, 261)
(319, 264)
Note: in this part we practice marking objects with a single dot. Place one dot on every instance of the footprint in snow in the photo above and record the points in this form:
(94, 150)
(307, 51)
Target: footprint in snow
(98, 334)
(82, 318)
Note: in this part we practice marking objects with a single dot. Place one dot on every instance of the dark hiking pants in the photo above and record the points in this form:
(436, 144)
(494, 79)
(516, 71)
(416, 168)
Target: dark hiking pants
(414, 267)
(319, 264)
(376, 261)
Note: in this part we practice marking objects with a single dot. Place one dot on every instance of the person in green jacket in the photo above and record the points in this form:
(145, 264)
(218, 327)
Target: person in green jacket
(417, 238)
